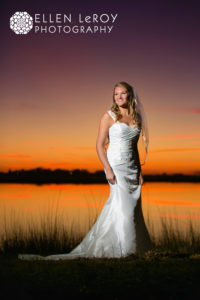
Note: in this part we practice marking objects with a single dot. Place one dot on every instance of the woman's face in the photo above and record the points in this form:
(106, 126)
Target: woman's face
(120, 96)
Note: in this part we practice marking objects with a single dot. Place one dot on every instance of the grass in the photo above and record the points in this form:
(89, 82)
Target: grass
(174, 278)
(172, 240)
(53, 236)
(171, 270)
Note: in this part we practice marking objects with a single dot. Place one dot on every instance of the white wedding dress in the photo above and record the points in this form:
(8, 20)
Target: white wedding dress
(120, 228)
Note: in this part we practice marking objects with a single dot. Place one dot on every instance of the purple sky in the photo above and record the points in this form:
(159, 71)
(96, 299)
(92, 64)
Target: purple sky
(51, 82)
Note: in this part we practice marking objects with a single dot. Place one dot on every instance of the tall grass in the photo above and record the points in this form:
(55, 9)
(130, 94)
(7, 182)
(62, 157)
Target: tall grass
(172, 239)
(52, 235)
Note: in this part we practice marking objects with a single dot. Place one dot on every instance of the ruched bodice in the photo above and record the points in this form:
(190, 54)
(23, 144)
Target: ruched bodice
(123, 141)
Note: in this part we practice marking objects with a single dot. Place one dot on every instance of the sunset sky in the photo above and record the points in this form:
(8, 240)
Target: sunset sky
(55, 87)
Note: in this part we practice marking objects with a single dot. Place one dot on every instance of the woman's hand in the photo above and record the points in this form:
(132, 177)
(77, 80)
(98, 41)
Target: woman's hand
(110, 176)
(141, 181)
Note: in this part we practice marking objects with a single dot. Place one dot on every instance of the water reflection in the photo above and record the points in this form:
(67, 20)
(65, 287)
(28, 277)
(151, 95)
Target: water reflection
(80, 204)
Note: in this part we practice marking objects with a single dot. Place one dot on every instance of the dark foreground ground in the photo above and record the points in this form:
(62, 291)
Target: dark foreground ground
(162, 277)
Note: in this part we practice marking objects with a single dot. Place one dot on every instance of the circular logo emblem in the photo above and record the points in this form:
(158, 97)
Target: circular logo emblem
(21, 22)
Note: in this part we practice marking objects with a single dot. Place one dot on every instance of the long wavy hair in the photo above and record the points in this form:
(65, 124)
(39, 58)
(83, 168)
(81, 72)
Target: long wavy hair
(131, 106)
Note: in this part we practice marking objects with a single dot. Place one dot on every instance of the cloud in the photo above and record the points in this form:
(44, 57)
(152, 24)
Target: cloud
(192, 110)
(17, 155)
(175, 137)
(42, 142)
(27, 106)
(175, 150)
(178, 110)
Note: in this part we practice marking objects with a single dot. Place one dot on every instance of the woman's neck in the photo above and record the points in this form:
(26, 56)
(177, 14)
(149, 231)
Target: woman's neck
(124, 111)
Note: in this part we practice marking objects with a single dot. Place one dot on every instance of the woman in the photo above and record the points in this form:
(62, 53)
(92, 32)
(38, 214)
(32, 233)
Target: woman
(120, 228)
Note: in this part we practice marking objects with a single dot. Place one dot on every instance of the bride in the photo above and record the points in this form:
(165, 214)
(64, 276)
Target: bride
(120, 229)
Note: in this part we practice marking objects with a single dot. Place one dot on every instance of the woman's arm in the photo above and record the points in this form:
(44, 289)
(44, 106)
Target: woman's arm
(105, 123)
(141, 180)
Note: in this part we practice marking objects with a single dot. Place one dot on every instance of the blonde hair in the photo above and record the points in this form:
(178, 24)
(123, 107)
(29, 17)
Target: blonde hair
(131, 106)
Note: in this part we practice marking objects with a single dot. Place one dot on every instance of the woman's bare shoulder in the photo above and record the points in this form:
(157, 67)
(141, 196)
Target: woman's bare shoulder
(106, 118)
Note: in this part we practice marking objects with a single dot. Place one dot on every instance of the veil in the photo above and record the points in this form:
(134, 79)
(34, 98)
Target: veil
(144, 124)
